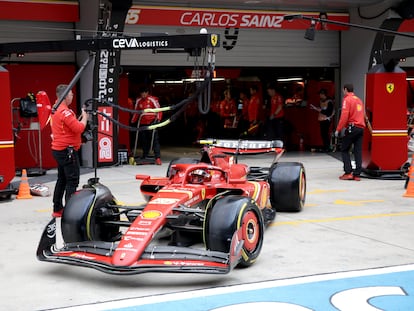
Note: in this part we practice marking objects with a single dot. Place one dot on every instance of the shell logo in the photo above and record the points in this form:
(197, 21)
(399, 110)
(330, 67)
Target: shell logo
(151, 214)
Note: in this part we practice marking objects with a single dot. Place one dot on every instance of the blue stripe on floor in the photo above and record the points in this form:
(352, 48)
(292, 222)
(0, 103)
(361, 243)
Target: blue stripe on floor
(390, 289)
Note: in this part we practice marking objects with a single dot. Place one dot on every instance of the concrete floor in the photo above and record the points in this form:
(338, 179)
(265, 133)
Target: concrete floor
(345, 226)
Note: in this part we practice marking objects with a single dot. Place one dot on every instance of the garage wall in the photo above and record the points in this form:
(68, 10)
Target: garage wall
(356, 48)
(22, 31)
(404, 43)
(247, 48)
(243, 47)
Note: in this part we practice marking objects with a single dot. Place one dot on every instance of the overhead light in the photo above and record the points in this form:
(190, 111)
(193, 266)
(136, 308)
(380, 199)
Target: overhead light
(168, 82)
(192, 79)
(188, 80)
(201, 79)
(410, 79)
(310, 32)
(289, 79)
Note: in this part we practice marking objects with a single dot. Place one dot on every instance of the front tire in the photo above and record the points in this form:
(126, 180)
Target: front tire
(228, 215)
(84, 215)
(287, 186)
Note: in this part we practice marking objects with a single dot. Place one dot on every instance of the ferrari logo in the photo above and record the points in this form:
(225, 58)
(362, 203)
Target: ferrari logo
(151, 214)
(390, 87)
(214, 40)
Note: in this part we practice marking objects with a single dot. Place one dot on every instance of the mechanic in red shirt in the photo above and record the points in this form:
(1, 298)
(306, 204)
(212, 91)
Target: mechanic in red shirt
(215, 103)
(66, 140)
(277, 114)
(244, 105)
(352, 123)
(254, 110)
(243, 112)
(148, 137)
(228, 110)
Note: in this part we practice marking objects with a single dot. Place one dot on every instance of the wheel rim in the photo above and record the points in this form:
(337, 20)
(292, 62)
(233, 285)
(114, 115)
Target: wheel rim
(302, 187)
(250, 231)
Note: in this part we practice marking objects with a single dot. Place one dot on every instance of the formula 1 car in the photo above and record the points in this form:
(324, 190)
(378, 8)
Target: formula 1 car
(214, 201)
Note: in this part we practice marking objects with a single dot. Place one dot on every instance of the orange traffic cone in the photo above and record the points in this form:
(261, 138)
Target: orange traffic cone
(410, 185)
(24, 188)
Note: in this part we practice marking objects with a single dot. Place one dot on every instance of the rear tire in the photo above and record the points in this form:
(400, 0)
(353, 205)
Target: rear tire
(227, 216)
(287, 186)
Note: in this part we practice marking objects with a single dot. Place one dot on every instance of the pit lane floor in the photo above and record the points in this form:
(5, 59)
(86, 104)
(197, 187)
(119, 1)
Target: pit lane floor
(345, 226)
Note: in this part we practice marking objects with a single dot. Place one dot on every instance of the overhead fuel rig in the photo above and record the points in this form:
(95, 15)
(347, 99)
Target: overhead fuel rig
(105, 51)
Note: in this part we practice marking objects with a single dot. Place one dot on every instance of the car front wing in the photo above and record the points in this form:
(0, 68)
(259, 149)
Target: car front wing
(155, 258)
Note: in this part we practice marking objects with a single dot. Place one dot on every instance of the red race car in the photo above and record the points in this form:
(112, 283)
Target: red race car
(206, 215)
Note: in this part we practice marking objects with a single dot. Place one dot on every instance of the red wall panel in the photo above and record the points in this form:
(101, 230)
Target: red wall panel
(26, 78)
(7, 171)
(57, 11)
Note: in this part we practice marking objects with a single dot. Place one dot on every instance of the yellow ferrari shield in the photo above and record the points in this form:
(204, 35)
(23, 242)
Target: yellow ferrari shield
(214, 40)
(390, 87)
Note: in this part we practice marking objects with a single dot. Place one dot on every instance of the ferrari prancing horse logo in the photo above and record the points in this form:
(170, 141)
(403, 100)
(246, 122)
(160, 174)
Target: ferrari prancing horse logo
(214, 40)
(390, 87)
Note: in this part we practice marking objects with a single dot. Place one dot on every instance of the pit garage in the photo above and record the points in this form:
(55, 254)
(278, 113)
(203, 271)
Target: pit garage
(349, 235)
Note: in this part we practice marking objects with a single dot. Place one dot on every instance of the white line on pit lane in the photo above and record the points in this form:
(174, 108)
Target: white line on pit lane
(134, 302)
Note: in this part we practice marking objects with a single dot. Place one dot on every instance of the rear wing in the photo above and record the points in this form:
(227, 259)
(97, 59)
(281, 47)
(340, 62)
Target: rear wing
(238, 147)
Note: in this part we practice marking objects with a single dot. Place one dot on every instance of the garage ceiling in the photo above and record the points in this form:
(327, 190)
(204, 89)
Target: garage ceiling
(296, 5)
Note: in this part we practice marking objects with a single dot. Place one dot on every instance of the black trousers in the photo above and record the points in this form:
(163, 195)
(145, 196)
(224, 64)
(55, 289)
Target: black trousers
(324, 130)
(352, 138)
(145, 139)
(68, 176)
(275, 129)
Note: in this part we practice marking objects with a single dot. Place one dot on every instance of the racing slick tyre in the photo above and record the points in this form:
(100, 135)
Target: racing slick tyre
(287, 182)
(227, 216)
(85, 214)
(181, 161)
